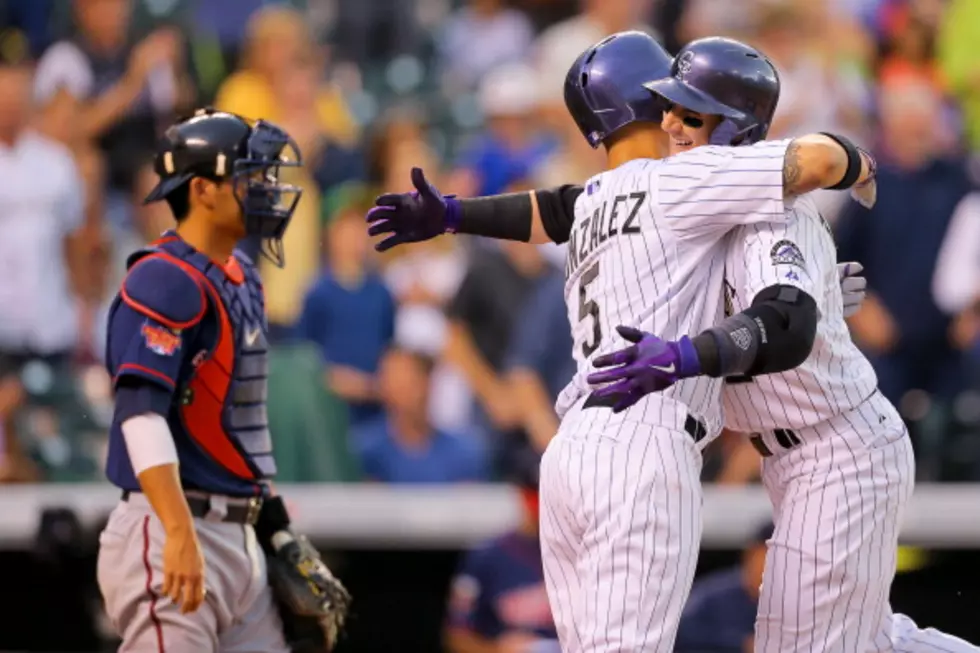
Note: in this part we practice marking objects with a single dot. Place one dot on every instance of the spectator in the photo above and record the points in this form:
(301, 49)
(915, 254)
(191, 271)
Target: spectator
(540, 359)
(278, 40)
(559, 45)
(956, 284)
(329, 161)
(424, 277)
(808, 77)
(350, 314)
(402, 446)
(720, 613)
(512, 147)
(125, 92)
(498, 600)
(957, 49)
(397, 145)
(919, 186)
(324, 160)
(910, 51)
(482, 318)
(480, 36)
(44, 203)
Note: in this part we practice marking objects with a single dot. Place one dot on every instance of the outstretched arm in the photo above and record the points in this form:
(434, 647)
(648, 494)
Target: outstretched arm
(539, 216)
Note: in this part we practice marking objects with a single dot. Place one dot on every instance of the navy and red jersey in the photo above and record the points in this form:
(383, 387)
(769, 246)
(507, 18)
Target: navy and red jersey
(500, 589)
(187, 340)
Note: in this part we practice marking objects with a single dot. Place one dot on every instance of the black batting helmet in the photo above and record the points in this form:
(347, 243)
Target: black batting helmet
(725, 77)
(222, 146)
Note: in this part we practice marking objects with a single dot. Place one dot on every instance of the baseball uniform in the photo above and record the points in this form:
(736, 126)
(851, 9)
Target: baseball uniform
(621, 492)
(195, 331)
(837, 461)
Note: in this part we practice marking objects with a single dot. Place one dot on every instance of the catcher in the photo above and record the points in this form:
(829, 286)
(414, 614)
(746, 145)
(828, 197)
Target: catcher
(198, 555)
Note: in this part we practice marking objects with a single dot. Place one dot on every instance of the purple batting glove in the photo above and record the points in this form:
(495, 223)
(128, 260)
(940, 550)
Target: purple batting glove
(651, 364)
(413, 217)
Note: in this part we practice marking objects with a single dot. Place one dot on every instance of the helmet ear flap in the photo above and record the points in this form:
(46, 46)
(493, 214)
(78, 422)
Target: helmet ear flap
(728, 132)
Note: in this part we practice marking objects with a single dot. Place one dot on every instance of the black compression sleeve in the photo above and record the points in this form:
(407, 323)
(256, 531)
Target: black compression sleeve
(773, 335)
(557, 209)
(509, 217)
(505, 217)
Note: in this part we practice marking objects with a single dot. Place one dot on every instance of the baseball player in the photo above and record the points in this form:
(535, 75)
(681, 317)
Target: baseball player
(620, 490)
(198, 554)
(837, 460)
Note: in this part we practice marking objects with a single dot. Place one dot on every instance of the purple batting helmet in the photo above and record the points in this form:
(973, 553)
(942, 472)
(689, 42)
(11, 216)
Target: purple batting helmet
(725, 77)
(604, 87)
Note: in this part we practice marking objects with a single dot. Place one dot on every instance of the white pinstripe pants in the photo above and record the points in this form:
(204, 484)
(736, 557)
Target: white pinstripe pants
(838, 500)
(620, 531)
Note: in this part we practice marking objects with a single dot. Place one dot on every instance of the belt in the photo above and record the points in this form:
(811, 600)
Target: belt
(694, 427)
(237, 511)
(786, 438)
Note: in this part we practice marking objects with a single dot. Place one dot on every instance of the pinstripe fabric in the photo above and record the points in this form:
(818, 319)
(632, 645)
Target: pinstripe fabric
(621, 494)
(840, 481)
(662, 269)
(837, 376)
(900, 634)
(620, 530)
(838, 500)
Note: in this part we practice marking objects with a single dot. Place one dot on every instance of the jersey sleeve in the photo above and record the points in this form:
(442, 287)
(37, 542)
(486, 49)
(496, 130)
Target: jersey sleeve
(158, 311)
(788, 253)
(556, 206)
(714, 189)
(470, 604)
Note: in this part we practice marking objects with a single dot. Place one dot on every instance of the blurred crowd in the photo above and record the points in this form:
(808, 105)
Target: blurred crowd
(439, 362)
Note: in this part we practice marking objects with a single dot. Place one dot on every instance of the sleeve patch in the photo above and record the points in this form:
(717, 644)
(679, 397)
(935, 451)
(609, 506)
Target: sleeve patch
(159, 339)
(786, 252)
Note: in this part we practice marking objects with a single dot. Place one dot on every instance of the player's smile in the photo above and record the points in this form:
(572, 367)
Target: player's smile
(687, 129)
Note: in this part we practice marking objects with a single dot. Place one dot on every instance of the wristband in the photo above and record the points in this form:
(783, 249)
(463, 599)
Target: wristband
(853, 172)
(454, 214)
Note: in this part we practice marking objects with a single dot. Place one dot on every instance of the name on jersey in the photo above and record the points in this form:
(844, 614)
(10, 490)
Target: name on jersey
(616, 218)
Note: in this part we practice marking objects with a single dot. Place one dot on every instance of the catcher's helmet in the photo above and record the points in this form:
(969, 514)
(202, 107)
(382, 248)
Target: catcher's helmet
(222, 146)
(604, 87)
(725, 77)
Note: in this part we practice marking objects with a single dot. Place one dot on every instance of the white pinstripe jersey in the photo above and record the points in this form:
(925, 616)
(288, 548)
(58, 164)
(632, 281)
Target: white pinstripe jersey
(836, 377)
(647, 250)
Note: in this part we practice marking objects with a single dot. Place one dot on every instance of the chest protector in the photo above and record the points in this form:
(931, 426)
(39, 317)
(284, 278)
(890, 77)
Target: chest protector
(222, 401)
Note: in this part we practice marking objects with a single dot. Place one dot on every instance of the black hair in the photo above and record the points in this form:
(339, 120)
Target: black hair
(179, 200)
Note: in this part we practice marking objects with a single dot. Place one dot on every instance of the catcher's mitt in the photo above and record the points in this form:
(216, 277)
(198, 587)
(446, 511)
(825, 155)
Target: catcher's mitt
(306, 590)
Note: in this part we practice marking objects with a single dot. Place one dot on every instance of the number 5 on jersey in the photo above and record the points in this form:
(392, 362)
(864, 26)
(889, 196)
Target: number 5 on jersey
(588, 308)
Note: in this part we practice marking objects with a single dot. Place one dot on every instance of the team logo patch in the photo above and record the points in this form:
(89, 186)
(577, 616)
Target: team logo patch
(742, 338)
(684, 65)
(160, 340)
(785, 252)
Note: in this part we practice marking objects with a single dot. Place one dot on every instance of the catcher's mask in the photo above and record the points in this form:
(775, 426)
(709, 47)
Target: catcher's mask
(267, 203)
(222, 146)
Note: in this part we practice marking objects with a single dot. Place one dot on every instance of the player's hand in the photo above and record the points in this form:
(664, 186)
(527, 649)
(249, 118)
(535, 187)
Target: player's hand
(651, 364)
(853, 286)
(183, 570)
(866, 192)
(412, 217)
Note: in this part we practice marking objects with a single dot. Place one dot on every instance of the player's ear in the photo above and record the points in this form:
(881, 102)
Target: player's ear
(204, 192)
